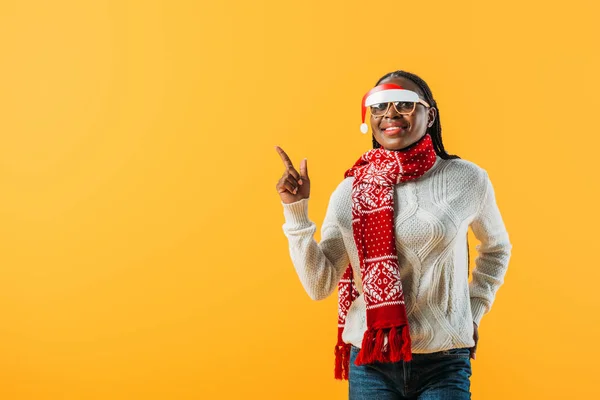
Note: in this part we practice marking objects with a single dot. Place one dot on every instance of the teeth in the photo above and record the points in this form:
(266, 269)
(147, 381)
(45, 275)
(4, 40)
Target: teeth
(392, 127)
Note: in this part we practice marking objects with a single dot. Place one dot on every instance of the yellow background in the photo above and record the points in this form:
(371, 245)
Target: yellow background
(141, 250)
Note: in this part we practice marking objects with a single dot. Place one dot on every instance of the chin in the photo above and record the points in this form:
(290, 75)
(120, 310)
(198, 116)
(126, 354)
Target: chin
(393, 143)
(397, 142)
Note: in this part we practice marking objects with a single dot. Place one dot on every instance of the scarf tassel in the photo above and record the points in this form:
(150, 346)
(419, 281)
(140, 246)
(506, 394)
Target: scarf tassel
(373, 349)
(342, 361)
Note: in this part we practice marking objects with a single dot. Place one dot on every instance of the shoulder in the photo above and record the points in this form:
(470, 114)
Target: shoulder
(464, 175)
(465, 169)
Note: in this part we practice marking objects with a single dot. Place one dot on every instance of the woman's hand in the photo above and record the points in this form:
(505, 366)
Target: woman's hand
(292, 186)
(476, 339)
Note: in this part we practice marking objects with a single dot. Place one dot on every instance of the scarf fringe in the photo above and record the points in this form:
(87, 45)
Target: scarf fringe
(342, 361)
(398, 347)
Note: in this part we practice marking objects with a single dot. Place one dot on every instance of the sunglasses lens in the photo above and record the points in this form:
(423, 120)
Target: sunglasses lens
(405, 107)
(378, 110)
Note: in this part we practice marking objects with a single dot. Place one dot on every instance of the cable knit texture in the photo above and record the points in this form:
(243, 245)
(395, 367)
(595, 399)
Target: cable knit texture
(432, 216)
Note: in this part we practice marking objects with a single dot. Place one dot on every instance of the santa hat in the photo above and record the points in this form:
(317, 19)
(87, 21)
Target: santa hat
(385, 93)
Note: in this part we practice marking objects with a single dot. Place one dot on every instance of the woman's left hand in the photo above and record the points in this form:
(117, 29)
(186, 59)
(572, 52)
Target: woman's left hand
(475, 338)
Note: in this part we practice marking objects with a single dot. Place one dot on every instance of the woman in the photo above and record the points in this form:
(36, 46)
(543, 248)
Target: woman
(394, 243)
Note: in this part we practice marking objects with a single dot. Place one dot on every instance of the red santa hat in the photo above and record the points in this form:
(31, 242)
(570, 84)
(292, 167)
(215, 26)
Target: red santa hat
(385, 93)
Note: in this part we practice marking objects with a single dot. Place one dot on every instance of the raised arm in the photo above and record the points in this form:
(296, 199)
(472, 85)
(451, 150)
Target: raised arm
(321, 265)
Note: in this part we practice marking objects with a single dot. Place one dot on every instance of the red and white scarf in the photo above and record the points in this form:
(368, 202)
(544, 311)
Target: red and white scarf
(375, 174)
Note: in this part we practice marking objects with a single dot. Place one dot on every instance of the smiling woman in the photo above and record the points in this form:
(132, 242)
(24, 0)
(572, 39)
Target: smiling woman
(425, 117)
(394, 244)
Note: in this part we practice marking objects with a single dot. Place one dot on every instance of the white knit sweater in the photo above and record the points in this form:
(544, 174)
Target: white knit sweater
(432, 217)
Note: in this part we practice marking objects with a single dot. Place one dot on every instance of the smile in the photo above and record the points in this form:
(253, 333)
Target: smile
(392, 130)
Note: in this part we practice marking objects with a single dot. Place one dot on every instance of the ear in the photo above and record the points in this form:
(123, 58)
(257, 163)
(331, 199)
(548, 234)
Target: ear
(431, 116)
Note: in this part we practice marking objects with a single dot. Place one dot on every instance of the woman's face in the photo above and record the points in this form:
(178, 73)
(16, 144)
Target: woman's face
(411, 127)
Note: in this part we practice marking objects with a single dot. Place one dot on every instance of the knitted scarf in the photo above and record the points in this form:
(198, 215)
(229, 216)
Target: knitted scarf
(375, 174)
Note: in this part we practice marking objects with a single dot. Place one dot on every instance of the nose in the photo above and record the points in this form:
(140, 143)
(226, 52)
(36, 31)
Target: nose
(391, 112)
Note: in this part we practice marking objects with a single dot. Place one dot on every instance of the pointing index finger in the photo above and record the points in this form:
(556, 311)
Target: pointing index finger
(286, 160)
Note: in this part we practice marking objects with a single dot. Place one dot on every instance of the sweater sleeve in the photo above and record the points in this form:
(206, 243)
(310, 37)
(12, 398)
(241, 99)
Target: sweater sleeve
(493, 255)
(321, 265)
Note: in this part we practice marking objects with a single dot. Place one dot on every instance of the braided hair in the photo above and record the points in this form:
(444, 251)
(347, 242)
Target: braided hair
(435, 131)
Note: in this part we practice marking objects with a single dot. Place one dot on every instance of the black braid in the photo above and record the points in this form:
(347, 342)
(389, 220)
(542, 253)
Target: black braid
(436, 129)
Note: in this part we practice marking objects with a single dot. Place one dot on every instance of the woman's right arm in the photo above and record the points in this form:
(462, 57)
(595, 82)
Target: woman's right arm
(321, 265)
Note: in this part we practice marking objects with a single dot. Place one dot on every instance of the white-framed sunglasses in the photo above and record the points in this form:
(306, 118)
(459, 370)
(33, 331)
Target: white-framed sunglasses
(401, 107)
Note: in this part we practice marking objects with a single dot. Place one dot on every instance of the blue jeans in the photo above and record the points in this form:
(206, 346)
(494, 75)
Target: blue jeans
(443, 375)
